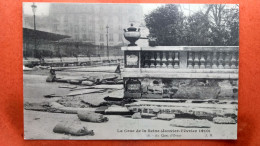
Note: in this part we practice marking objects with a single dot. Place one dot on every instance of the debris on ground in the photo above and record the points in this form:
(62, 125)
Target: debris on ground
(94, 100)
(27, 68)
(68, 86)
(61, 80)
(69, 110)
(101, 109)
(43, 106)
(75, 82)
(51, 96)
(117, 94)
(72, 102)
(108, 86)
(165, 116)
(53, 107)
(190, 123)
(137, 116)
(52, 76)
(87, 83)
(91, 117)
(75, 129)
(224, 120)
(86, 91)
(117, 110)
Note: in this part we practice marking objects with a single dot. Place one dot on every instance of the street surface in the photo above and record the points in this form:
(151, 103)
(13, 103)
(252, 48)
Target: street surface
(39, 125)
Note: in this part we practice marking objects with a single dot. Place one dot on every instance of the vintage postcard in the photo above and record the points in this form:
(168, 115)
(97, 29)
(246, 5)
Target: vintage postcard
(130, 71)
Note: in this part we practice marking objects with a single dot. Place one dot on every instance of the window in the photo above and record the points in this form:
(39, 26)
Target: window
(55, 27)
(77, 36)
(84, 37)
(83, 19)
(76, 29)
(66, 31)
(66, 19)
(101, 45)
(101, 28)
(101, 37)
(120, 37)
(83, 28)
(111, 37)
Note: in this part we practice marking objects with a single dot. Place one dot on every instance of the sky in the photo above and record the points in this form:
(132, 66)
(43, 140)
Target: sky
(43, 8)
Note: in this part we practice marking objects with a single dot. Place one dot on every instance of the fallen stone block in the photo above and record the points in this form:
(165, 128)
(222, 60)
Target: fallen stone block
(224, 120)
(137, 116)
(117, 110)
(94, 100)
(165, 116)
(51, 78)
(86, 91)
(72, 129)
(68, 86)
(91, 117)
(76, 82)
(44, 106)
(51, 96)
(87, 83)
(190, 123)
(61, 80)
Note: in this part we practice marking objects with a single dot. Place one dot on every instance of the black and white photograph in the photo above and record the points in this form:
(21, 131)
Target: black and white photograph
(117, 71)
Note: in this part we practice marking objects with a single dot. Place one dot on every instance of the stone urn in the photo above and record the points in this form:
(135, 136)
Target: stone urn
(132, 35)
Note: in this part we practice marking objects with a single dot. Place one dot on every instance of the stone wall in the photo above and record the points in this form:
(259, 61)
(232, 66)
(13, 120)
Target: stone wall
(189, 88)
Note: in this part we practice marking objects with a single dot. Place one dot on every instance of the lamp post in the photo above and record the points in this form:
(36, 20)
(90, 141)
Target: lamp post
(34, 7)
(107, 43)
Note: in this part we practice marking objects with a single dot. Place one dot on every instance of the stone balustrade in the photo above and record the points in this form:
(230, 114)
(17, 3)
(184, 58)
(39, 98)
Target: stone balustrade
(181, 59)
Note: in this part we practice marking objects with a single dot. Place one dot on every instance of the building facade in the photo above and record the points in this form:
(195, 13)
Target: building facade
(89, 22)
(88, 26)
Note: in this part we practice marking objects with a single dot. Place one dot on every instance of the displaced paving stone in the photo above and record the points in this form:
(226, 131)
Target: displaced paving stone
(224, 120)
(76, 82)
(165, 116)
(51, 78)
(190, 123)
(91, 117)
(117, 110)
(94, 99)
(117, 94)
(137, 116)
(109, 86)
(43, 106)
(67, 86)
(87, 83)
(27, 68)
(71, 128)
(86, 91)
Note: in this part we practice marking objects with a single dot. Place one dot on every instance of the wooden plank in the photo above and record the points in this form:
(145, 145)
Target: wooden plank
(86, 91)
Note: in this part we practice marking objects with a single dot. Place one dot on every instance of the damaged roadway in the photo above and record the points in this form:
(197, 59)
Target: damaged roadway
(70, 98)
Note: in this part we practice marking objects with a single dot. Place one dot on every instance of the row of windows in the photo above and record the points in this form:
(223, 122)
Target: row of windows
(102, 38)
(90, 28)
(111, 37)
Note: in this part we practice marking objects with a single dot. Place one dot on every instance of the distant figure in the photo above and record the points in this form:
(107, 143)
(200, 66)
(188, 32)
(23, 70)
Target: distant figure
(52, 76)
(118, 69)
